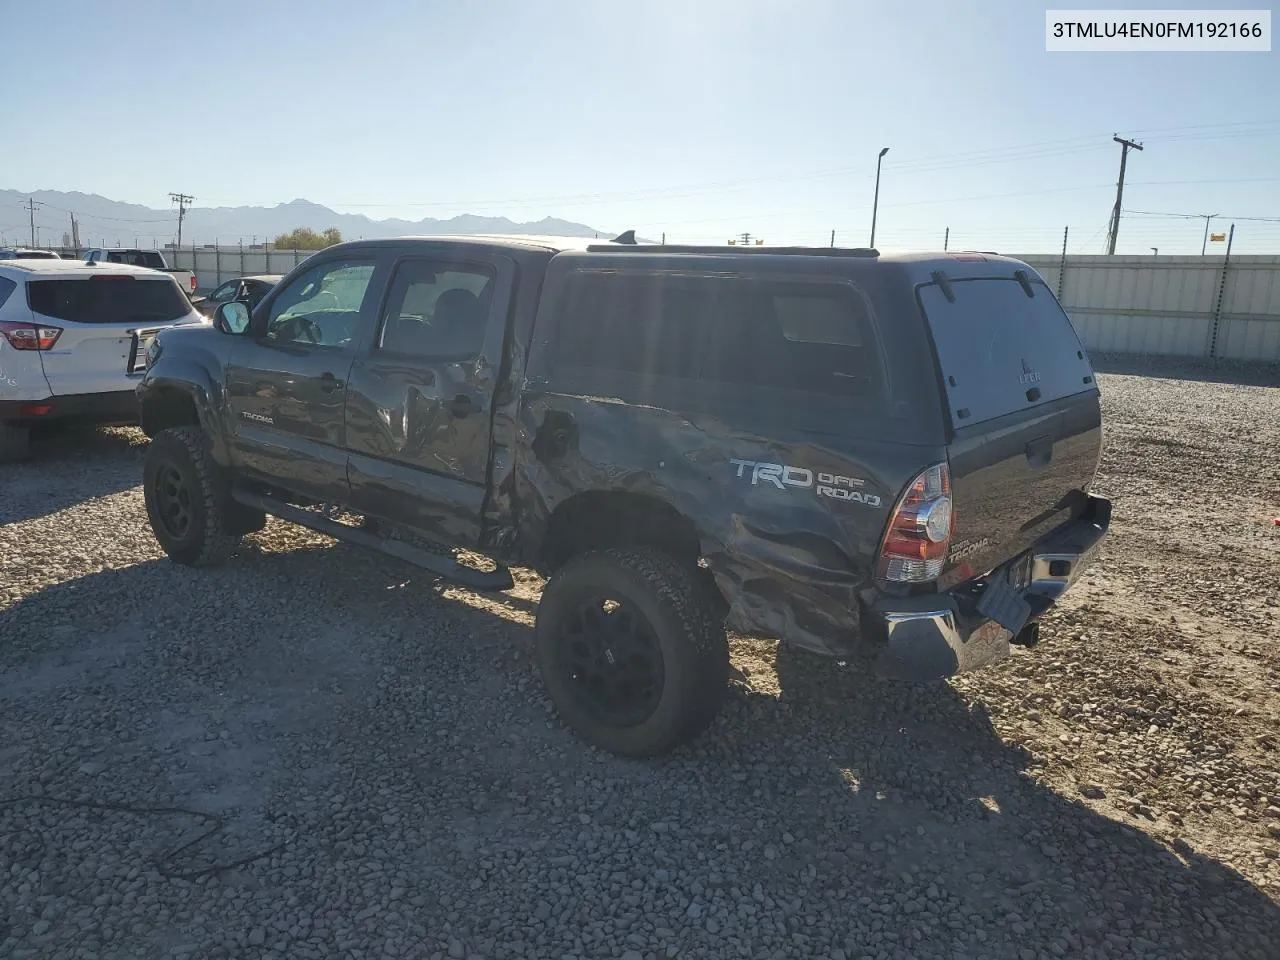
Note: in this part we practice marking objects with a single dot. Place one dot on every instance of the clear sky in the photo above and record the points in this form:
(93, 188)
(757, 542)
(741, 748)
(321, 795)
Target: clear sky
(694, 118)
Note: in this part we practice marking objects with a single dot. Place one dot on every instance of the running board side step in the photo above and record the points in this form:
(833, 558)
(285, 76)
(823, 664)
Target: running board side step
(485, 580)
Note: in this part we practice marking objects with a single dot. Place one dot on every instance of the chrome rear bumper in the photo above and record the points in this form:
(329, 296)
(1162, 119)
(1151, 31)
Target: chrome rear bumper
(937, 636)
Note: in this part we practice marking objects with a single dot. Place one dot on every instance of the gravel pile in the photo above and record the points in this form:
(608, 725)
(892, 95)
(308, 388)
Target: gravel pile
(317, 752)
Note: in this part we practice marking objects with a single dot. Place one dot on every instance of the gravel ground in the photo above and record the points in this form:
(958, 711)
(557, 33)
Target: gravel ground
(318, 752)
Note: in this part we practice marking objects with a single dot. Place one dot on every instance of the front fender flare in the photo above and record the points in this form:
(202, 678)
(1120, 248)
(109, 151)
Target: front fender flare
(195, 382)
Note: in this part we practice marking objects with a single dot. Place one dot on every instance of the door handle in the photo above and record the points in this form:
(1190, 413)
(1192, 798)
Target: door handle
(329, 383)
(461, 405)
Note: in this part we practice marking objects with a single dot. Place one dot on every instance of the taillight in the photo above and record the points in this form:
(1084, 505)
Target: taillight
(29, 336)
(919, 533)
(193, 283)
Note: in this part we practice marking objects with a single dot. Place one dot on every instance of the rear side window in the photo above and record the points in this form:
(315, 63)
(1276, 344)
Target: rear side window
(436, 309)
(7, 287)
(109, 299)
(810, 336)
(1001, 351)
(137, 258)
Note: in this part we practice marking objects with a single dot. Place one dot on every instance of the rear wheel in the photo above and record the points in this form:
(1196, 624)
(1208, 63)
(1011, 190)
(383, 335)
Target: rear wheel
(631, 651)
(189, 499)
(14, 442)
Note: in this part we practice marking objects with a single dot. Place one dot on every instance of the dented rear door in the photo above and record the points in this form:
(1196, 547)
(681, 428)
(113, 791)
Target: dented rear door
(420, 398)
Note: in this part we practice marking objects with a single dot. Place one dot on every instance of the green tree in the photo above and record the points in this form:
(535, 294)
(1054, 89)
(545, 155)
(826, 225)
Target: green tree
(304, 238)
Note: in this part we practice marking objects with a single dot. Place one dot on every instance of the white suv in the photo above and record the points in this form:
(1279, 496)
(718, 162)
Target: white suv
(73, 339)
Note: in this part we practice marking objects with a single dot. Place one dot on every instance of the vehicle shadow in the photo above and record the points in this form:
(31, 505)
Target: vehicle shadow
(89, 462)
(896, 805)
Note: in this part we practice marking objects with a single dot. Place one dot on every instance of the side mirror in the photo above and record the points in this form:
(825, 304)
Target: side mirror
(232, 317)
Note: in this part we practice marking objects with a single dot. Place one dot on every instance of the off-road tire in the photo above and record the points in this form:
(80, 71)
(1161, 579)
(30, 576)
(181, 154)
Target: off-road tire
(695, 652)
(15, 442)
(212, 532)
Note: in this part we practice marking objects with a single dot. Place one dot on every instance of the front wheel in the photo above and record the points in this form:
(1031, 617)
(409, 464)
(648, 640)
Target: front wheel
(631, 651)
(188, 498)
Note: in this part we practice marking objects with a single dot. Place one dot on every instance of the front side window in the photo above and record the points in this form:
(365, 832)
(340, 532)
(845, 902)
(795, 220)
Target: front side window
(322, 306)
(437, 309)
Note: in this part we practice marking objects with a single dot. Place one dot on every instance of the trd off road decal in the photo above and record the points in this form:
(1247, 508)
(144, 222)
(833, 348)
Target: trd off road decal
(783, 476)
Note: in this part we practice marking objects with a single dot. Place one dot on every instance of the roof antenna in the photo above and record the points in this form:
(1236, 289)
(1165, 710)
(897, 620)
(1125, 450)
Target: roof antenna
(627, 236)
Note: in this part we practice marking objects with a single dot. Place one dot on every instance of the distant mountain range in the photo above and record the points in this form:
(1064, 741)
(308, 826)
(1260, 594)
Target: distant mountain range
(111, 223)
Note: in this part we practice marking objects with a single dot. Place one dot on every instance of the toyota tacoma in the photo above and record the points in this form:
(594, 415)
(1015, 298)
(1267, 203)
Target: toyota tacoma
(888, 456)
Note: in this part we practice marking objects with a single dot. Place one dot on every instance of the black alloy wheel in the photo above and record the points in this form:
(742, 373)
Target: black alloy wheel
(613, 661)
(172, 500)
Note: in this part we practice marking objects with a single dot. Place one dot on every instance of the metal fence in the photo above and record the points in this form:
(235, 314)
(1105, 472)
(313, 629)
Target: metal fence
(212, 265)
(1194, 307)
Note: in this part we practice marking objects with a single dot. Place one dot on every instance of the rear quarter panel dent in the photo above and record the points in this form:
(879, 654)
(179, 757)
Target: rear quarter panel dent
(789, 562)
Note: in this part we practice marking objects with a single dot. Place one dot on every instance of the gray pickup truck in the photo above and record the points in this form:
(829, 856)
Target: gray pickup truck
(855, 453)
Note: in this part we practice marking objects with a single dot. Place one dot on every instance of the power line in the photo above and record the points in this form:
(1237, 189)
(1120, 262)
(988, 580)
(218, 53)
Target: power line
(952, 160)
(1197, 216)
(1205, 126)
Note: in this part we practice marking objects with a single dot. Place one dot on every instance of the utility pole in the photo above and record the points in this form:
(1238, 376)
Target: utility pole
(1205, 242)
(31, 210)
(745, 238)
(833, 238)
(946, 240)
(181, 199)
(1125, 147)
(75, 233)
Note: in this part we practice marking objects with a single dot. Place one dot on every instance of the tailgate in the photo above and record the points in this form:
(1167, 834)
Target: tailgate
(185, 278)
(105, 323)
(1025, 414)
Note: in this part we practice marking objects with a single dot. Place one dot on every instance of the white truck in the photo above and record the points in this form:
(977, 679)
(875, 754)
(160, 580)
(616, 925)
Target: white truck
(152, 259)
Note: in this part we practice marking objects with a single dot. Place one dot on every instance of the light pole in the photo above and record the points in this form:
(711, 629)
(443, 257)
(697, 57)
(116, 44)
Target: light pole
(875, 205)
(1155, 251)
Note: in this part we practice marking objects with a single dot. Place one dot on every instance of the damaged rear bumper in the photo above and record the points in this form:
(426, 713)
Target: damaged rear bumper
(939, 635)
